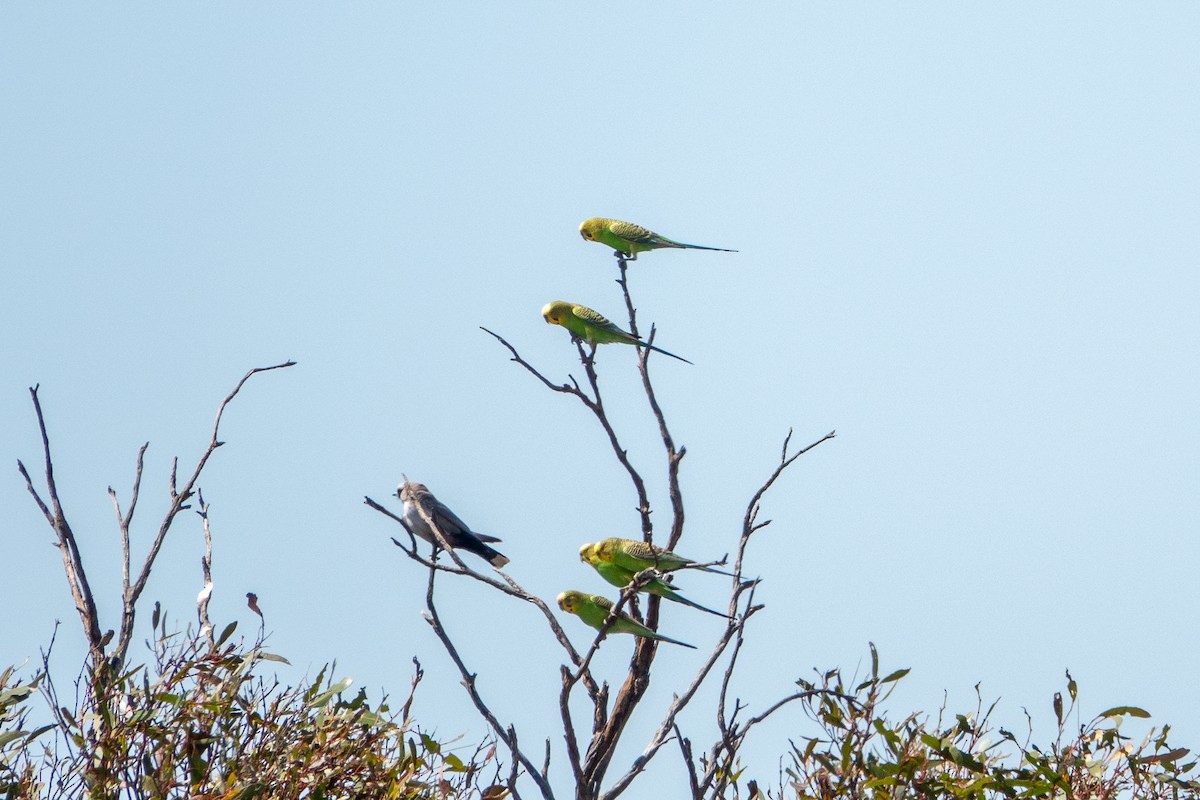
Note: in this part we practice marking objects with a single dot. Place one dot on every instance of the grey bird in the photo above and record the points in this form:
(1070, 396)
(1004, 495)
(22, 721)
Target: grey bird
(454, 530)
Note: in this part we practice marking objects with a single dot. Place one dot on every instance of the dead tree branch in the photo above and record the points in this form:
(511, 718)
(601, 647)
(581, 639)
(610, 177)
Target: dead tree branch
(132, 589)
(81, 590)
(206, 628)
(178, 503)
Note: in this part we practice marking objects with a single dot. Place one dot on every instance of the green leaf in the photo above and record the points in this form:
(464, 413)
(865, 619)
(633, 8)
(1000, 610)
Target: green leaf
(38, 733)
(327, 695)
(273, 657)
(431, 745)
(1173, 755)
(964, 759)
(225, 634)
(11, 736)
(18, 693)
(897, 675)
(1132, 711)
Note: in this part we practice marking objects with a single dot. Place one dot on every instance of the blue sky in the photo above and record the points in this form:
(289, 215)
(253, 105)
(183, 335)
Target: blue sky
(967, 241)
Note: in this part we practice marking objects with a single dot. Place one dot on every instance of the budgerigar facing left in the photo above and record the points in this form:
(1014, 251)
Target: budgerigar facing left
(627, 239)
(622, 577)
(636, 555)
(593, 327)
(594, 609)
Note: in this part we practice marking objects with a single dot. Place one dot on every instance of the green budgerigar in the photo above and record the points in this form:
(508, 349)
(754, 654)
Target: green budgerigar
(627, 239)
(593, 327)
(635, 555)
(622, 577)
(594, 610)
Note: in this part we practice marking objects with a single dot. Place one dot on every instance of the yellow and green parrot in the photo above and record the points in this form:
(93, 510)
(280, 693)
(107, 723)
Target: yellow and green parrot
(592, 327)
(594, 609)
(621, 576)
(627, 239)
(635, 555)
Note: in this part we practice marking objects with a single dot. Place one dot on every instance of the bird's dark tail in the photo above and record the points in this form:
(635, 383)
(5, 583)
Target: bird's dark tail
(678, 598)
(493, 557)
(658, 349)
(662, 638)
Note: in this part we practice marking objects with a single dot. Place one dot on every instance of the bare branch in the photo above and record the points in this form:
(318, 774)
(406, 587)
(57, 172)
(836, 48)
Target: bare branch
(77, 580)
(206, 628)
(123, 522)
(178, 501)
(785, 461)
(554, 387)
(685, 751)
(506, 735)
(673, 456)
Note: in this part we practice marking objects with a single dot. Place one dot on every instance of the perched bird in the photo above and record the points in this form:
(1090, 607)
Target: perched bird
(594, 609)
(592, 327)
(453, 529)
(635, 555)
(629, 239)
(621, 576)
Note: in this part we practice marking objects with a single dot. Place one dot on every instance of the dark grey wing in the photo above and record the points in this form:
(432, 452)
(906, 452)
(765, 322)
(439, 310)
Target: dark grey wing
(452, 526)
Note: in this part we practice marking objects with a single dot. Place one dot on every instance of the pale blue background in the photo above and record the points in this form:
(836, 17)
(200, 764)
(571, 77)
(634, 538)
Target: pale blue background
(968, 241)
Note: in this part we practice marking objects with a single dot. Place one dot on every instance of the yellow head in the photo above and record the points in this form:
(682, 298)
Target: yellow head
(590, 228)
(556, 311)
(585, 553)
(604, 549)
(567, 601)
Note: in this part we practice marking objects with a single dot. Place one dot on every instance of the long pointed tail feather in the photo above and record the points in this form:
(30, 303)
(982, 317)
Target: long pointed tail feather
(662, 638)
(658, 349)
(678, 598)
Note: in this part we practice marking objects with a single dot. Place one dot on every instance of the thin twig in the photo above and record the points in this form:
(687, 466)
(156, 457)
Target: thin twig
(673, 456)
(124, 521)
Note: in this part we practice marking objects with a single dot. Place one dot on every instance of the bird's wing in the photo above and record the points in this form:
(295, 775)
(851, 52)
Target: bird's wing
(591, 317)
(448, 521)
(636, 233)
(603, 602)
(643, 550)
